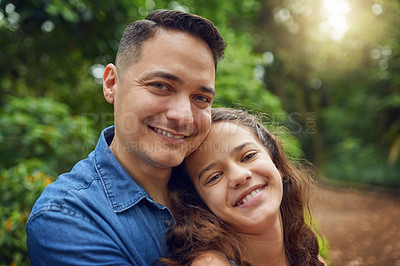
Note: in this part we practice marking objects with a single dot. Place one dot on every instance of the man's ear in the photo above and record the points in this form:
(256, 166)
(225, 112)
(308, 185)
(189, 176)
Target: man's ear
(110, 80)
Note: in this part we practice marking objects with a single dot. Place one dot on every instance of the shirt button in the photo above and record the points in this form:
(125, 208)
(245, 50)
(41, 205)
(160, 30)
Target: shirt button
(167, 223)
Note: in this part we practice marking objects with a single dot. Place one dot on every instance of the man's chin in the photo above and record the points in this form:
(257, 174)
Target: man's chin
(167, 160)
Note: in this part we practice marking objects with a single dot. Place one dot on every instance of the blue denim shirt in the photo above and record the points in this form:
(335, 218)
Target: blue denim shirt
(97, 215)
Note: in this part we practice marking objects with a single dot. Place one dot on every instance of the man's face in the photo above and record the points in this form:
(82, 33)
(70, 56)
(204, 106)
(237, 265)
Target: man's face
(162, 104)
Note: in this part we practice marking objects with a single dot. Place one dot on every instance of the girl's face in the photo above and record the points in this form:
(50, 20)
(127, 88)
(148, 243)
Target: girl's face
(236, 178)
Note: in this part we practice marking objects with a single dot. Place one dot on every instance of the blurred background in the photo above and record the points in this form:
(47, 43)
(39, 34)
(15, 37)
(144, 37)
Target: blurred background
(327, 70)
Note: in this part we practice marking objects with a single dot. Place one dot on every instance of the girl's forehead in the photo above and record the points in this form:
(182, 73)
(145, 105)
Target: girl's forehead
(224, 136)
(227, 128)
(230, 131)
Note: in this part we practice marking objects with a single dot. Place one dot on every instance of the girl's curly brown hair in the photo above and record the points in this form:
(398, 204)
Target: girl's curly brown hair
(197, 229)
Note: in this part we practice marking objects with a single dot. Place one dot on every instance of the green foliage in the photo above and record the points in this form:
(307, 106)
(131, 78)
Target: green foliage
(237, 83)
(44, 129)
(38, 140)
(350, 83)
(20, 186)
(246, 90)
(361, 120)
(356, 162)
(323, 242)
(53, 57)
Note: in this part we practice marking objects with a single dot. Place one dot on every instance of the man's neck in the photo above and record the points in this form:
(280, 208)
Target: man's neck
(152, 178)
(154, 181)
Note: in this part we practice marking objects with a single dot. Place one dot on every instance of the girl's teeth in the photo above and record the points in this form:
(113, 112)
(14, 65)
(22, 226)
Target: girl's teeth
(250, 196)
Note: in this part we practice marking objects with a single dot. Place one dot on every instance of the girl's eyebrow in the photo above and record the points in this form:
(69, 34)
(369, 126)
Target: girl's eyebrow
(211, 165)
(240, 147)
(208, 167)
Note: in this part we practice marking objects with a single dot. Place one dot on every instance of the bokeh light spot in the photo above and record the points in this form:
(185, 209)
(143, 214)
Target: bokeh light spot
(377, 9)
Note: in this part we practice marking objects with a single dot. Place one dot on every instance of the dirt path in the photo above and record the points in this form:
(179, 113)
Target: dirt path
(363, 228)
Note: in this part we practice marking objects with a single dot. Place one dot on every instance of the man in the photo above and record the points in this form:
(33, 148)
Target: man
(112, 208)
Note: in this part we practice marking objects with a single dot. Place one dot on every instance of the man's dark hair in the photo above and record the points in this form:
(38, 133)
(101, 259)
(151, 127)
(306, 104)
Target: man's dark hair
(137, 32)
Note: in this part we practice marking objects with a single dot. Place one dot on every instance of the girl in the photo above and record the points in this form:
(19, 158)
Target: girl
(243, 202)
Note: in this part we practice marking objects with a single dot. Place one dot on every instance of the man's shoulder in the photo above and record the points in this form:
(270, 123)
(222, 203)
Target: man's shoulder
(79, 186)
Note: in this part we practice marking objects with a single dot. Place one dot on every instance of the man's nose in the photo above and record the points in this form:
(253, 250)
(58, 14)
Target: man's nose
(239, 175)
(180, 110)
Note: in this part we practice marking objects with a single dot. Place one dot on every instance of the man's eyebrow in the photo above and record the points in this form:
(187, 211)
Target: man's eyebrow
(161, 74)
(208, 90)
(210, 166)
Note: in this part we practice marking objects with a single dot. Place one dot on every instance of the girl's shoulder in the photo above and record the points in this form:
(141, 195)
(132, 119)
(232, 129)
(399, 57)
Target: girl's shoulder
(213, 258)
(322, 260)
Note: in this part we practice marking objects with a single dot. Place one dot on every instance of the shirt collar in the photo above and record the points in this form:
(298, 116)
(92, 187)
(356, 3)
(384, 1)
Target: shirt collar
(121, 190)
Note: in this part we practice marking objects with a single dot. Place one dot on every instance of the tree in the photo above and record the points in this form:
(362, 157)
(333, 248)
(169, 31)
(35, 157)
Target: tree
(339, 62)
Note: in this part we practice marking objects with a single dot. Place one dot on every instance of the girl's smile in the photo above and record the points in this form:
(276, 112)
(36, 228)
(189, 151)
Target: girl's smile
(237, 178)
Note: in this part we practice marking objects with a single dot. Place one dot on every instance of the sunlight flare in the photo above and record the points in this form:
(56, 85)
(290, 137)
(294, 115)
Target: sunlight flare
(335, 24)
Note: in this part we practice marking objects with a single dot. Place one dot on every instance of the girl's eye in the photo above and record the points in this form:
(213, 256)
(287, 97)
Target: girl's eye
(213, 178)
(248, 157)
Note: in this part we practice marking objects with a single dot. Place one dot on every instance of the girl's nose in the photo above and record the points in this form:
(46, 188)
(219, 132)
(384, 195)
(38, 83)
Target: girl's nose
(239, 176)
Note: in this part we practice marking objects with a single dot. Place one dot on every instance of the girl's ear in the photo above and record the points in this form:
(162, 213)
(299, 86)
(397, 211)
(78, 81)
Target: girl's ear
(281, 173)
(284, 177)
(110, 80)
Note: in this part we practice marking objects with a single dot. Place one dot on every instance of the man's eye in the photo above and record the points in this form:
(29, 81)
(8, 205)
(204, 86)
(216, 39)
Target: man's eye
(248, 157)
(201, 98)
(159, 86)
(213, 178)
